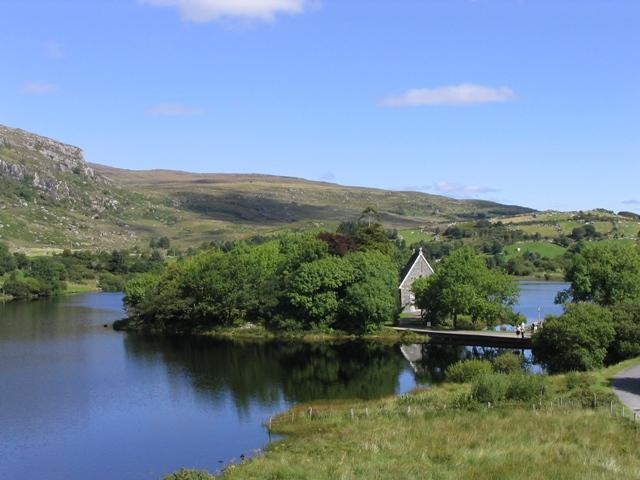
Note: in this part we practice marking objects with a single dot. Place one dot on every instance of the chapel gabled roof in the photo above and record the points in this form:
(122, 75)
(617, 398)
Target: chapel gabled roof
(411, 263)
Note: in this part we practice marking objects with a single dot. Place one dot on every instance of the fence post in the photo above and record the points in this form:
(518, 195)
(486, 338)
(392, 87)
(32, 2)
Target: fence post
(366, 411)
(352, 415)
(595, 401)
(310, 411)
(611, 407)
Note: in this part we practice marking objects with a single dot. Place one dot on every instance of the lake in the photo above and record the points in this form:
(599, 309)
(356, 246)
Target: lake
(78, 400)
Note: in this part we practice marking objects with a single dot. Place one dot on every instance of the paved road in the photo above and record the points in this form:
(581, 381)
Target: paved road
(627, 386)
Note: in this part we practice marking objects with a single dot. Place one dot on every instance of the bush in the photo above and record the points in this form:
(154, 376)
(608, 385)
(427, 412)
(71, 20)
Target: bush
(108, 282)
(22, 289)
(508, 363)
(526, 387)
(626, 343)
(490, 387)
(577, 380)
(576, 340)
(467, 370)
(187, 474)
(27, 288)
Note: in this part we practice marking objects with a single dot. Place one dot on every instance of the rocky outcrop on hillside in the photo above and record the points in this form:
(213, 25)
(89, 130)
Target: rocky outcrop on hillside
(50, 195)
(46, 165)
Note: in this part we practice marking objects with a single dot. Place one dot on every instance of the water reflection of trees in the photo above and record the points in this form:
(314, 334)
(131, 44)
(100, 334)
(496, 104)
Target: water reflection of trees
(266, 372)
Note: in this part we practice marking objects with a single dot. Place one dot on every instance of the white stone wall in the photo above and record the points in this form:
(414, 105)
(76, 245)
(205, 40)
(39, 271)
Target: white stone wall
(420, 269)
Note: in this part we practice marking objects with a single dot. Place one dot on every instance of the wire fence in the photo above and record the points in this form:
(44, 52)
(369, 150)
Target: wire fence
(560, 405)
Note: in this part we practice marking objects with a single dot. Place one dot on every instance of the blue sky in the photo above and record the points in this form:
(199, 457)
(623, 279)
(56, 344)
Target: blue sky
(533, 102)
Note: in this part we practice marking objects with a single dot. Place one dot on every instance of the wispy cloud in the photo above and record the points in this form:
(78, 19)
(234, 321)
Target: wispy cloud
(175, 110)
(328, 177)
(211, 10)
(463, 94)
(38, 88)
(631, 202)
(54, 50)
(454, 189)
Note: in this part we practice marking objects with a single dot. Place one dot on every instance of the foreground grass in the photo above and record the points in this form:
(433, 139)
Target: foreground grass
(516, 443)
(440, 434)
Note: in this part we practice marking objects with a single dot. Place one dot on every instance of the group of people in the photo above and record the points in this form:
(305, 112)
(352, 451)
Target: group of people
(522, 328)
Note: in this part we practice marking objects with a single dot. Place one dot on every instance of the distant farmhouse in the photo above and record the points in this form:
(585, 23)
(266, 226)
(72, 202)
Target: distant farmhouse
(417, 267)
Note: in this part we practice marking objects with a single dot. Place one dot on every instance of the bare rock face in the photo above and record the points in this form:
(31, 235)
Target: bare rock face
(52, 167)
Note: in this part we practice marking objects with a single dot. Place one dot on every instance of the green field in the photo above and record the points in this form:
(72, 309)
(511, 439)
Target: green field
(544, 249)
(415, 235)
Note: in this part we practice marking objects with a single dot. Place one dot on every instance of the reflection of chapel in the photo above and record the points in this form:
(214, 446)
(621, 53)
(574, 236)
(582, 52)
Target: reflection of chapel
(417, 267)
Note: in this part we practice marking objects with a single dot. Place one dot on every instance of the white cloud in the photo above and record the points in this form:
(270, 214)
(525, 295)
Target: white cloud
(463, 94)
(38, 88)
(631, 202)
(54, 50)
(210, 10)
(174, 110)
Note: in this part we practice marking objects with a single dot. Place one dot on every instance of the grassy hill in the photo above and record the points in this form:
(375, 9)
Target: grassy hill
(51, 198)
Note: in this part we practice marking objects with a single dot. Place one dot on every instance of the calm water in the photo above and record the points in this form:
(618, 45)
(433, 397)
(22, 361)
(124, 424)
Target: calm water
(78, 400)
(534, 295)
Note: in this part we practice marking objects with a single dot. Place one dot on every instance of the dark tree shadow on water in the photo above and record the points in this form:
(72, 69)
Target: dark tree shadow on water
(267, 372)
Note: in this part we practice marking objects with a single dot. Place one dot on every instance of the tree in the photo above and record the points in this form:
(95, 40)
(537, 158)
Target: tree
(371, 300)
(315, 290)
(605, 273)
(337, 243)
(626, 343)
(464, 285)
(7, 262)
(117, 262)
(369, 216)
(576, 340)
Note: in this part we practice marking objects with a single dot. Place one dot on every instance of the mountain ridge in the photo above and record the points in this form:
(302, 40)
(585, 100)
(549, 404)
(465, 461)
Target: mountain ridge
(51, 196)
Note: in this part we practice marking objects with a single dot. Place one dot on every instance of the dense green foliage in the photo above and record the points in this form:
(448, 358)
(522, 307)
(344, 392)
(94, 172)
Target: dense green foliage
(626, 343)
(576, 340)
(606, 273)
(467, 370)
(464, 285)
(603, 322)
(519, 387)
(507, 363)
(23, 277)
(346, 281)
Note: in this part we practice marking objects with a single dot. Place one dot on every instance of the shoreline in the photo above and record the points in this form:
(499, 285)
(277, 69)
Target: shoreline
(257, 333)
